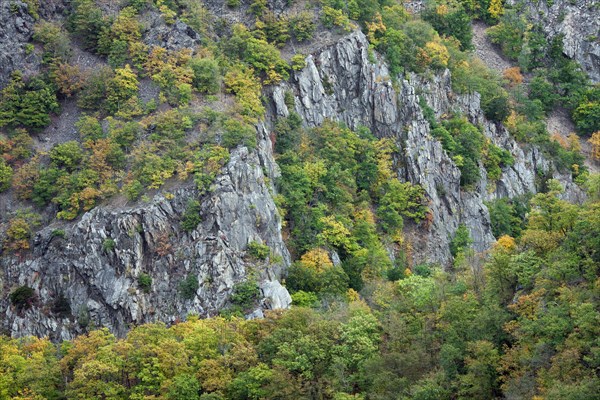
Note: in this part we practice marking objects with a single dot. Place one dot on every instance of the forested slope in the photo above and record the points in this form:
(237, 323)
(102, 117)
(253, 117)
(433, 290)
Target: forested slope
(175, 172)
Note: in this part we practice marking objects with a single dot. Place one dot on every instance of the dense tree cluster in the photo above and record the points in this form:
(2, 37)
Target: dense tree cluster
(340, 193)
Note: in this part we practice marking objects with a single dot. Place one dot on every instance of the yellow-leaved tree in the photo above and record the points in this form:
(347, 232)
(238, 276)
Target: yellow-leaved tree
(595, 142)
(495, 9)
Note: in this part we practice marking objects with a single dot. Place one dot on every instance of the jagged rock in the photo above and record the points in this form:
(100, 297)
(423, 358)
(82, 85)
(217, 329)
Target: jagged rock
(97, 264)
(256, 314)
(275, 295)
(577, 20)
(171, 37)
(341, 84)
(16, 28)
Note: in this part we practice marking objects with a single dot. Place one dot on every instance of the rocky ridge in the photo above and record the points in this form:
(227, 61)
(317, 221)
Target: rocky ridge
(341, 84)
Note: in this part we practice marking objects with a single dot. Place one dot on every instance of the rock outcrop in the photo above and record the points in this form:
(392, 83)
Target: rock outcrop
(95, 265)
(341, 84)
(171, 37)
(579, 23)
(16, 28)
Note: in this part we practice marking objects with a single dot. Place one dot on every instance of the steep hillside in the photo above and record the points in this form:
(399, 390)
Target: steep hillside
(143, 144)
(301, 199)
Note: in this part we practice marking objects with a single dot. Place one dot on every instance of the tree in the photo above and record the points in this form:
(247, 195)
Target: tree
(87, 22)
(461, 240)
(6, 174)
(121, 88)
(509, 33)
(68, 155)
(251, 385)
(184, 387)
(495, 9)
(207, 77)
(27, 103)
(241, 81)
(595, 142)
(258, 53)
(587, 116)
(481, 379)
(450, 19)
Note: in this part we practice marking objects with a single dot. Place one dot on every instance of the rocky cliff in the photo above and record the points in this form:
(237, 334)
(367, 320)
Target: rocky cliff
(93, 268)
(341, 84)
(579, 23)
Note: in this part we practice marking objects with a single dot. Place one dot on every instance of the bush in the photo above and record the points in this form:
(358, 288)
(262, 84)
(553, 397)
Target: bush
(191, 217)
(258, 250)
(332, 17)
(144, 282)
(95, 89)
(302, 26)
(87, 22)
(461, 240)
(27, 104)
(304, 299)
(22, 297)
(207, 164)
(496, 158)
(61, 306)
(55, 41)
(58, 233)
(133, 190)
(207, 77)
(424, 270)
(464, 142)
(108, 245)
(188, 287)
(400, 199)
(238, 133)
(89, 128)
(298, 62)
(68, 155)
(245, 294)
(18, 233)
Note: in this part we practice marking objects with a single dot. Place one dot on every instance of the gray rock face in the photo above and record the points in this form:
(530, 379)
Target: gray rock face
(97, 264)
(578, 21)
(341, 84)
(16, 28)
(171, 37)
